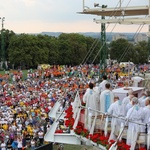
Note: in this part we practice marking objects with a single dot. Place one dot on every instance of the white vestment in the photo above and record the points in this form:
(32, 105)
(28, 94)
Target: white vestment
(102, 86)
(91, 99)
(126, 100)
(142, 102)
(128, 106)
(135, 114)
(146, 110)
(116, 109)
(106, 99)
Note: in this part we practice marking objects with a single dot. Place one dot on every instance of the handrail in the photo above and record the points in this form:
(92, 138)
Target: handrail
(106, 114)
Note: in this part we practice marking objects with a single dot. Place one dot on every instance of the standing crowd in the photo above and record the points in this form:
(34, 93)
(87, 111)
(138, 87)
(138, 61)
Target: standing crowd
(26, 101)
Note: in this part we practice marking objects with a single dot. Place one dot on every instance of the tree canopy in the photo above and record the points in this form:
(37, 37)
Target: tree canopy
(29, 50)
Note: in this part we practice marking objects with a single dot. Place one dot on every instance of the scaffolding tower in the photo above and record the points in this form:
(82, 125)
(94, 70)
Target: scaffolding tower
(120, 15)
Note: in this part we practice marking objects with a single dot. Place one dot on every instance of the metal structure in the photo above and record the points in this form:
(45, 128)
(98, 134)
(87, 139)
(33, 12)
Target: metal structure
(103, 53)
(3, 65)
(120, 15)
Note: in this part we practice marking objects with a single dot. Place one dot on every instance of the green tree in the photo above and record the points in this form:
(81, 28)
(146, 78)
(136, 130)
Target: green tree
(121, 50)
(93, 50)
(29, 50)
(141, 53)
(7, 35)
(72, 48)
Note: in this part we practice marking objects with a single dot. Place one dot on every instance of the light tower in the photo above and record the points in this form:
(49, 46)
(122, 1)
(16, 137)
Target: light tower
(3, 65)
(103, 52)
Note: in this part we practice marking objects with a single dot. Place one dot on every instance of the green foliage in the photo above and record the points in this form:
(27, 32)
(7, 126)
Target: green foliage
(68, 49)
(7, 35)
(31, 50)
(141, 52)
(124, 51)
(118, 48)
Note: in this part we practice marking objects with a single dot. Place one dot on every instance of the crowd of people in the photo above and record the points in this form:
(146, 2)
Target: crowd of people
(25, 104)
(26, 100)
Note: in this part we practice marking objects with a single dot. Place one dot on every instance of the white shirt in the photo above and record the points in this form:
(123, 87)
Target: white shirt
(32, 143)
(40, 134)
(3, 146)
(19, 143)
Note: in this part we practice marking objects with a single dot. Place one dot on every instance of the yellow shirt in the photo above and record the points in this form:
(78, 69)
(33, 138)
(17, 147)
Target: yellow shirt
(5, 127)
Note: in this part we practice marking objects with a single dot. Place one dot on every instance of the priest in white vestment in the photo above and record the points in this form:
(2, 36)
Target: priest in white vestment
(128, 98)
(143, 100)
(146, 110)
(106, 98)
(91, 98)
(135, 114)
(116, 109)
(102, 84)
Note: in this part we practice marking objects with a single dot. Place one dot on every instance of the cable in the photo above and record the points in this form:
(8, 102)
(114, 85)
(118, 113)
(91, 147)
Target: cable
(84, 60)
(87, 57)
(111, 30)
(129, 45)
(92, 50)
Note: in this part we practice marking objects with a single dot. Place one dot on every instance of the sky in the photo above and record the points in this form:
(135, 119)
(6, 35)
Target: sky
(36, 16)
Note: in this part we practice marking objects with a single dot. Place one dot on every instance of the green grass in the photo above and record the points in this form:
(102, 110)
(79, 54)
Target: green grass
(24, 73)
(73, 147)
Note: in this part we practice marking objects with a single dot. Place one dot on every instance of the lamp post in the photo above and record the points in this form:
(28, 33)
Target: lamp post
(3, 45)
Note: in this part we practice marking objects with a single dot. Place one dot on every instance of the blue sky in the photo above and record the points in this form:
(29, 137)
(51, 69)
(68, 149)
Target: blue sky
(35, 16)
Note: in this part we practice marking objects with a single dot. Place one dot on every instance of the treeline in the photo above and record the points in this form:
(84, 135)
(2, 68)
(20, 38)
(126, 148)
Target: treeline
(29, 50)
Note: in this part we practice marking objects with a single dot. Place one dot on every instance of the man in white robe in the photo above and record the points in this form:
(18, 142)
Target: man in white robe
(91, 98)
(106, 98)
(102, 84)
(146, 110)
(144, 95)
(116, 109)
(127, 99)
(143, 100)
(135, 114)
